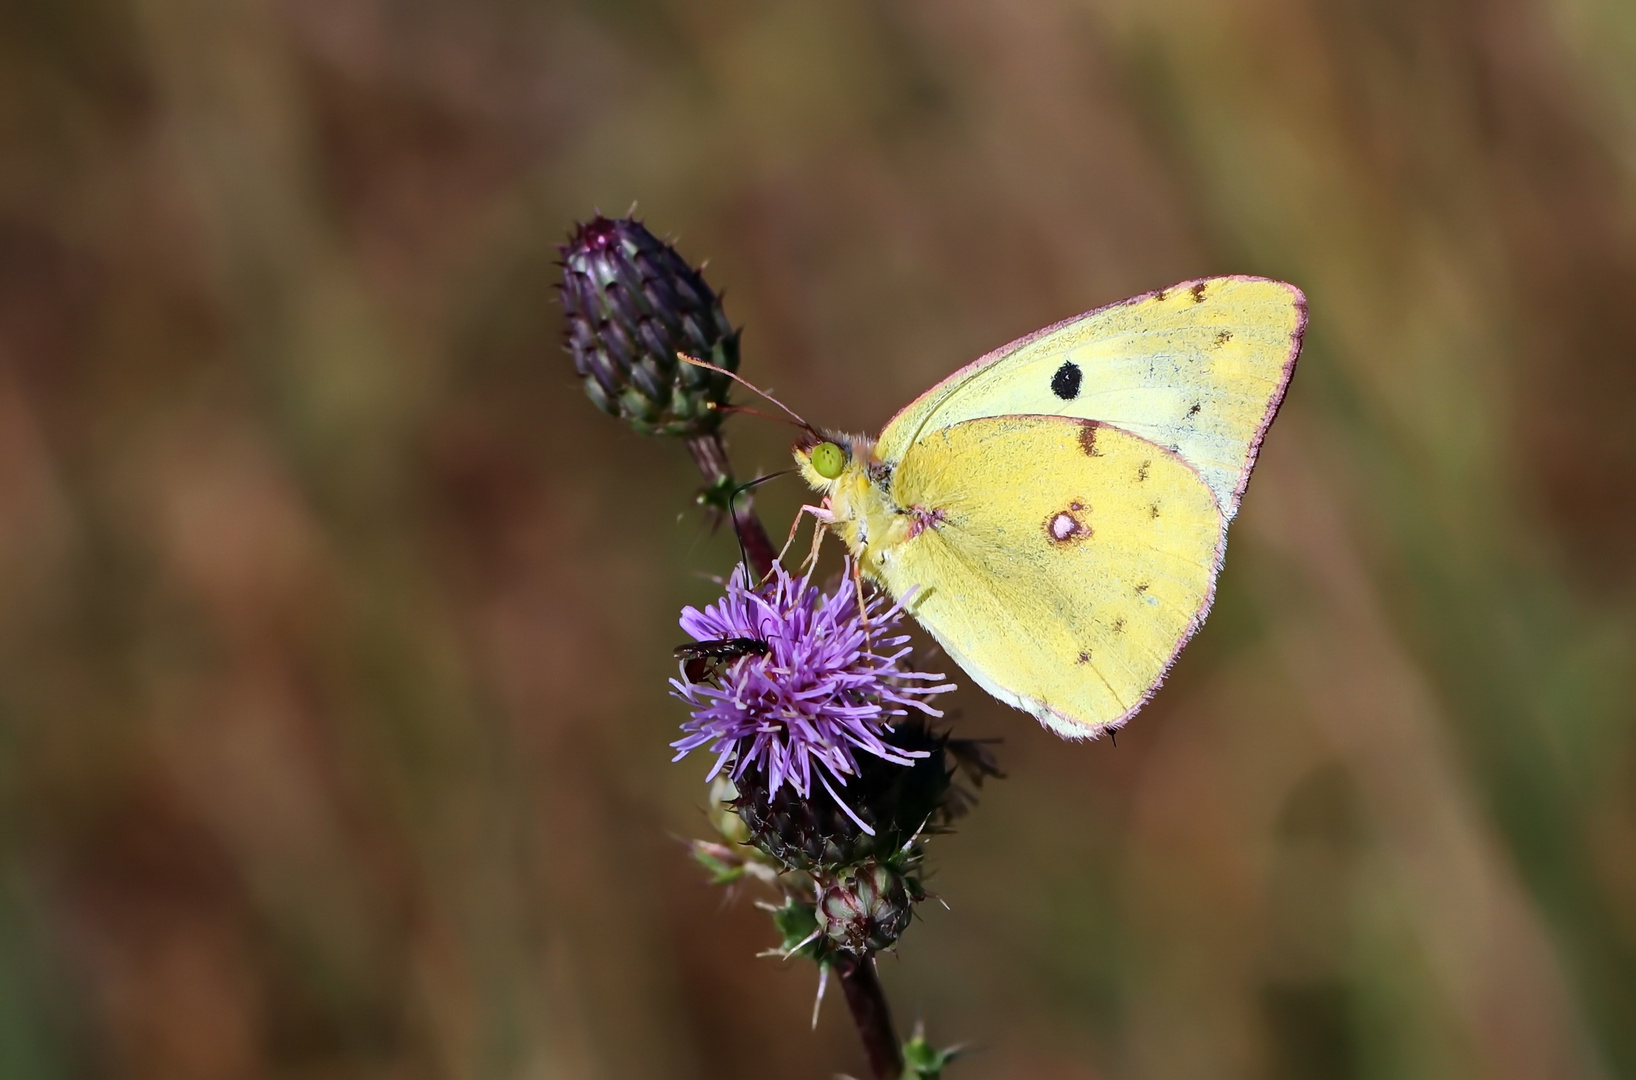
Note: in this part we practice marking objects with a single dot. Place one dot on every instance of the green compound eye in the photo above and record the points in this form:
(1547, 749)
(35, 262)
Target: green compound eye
(828, 460)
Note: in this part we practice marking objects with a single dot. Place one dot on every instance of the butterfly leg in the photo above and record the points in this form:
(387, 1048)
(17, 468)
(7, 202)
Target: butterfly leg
(821, 519)
(820, 529)
(795, 527)
(857, 583)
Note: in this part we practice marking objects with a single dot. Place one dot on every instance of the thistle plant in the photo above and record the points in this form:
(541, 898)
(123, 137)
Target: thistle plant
(829, 771)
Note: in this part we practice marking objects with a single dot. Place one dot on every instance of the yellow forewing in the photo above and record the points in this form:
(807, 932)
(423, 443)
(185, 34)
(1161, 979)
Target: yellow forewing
(1198, 369)
(1062, 563)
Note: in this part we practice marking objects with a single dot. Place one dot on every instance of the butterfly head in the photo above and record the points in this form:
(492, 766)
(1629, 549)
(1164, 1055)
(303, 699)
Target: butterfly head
(825, 457)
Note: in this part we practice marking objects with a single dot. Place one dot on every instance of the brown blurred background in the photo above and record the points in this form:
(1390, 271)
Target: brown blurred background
(335, 621)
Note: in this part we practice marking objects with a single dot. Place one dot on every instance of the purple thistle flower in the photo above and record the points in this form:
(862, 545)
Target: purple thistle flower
(828, 686)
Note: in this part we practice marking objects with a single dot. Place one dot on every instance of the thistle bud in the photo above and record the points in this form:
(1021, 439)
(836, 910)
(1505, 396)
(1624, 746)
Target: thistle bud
(632, 303)
(867, 908)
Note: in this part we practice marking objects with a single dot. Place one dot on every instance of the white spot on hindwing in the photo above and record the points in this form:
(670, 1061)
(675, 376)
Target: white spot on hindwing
(1068, 525)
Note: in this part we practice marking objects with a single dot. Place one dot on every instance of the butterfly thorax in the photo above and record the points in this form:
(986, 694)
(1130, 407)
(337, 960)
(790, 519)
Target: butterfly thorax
(861, 509)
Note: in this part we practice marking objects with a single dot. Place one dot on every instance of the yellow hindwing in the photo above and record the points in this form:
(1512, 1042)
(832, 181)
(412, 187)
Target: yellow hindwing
(1063, 563)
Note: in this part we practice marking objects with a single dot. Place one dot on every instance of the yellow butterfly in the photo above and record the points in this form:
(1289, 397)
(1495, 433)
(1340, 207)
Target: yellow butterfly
(1059, 507)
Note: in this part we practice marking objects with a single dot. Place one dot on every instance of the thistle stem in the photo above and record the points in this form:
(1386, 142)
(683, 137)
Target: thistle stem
(710, 455)
(867, 1000)
(859, 982)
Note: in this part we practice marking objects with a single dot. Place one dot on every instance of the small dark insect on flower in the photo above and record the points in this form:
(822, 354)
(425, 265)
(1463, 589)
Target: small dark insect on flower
(703, 661)
(830, 685)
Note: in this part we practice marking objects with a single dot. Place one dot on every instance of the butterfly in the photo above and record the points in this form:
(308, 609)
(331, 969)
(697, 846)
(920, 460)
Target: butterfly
(1055, 513)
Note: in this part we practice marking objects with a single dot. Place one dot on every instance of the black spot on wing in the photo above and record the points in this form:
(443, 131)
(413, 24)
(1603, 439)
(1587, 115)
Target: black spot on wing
(1065, 383)
(1223, 337)
(1194, 411)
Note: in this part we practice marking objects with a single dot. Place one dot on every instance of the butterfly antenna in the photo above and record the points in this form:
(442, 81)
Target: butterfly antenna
(733, 409)
(750, 386)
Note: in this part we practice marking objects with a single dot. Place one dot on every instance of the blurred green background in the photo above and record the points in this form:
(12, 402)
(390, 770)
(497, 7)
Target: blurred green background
(336, 623)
